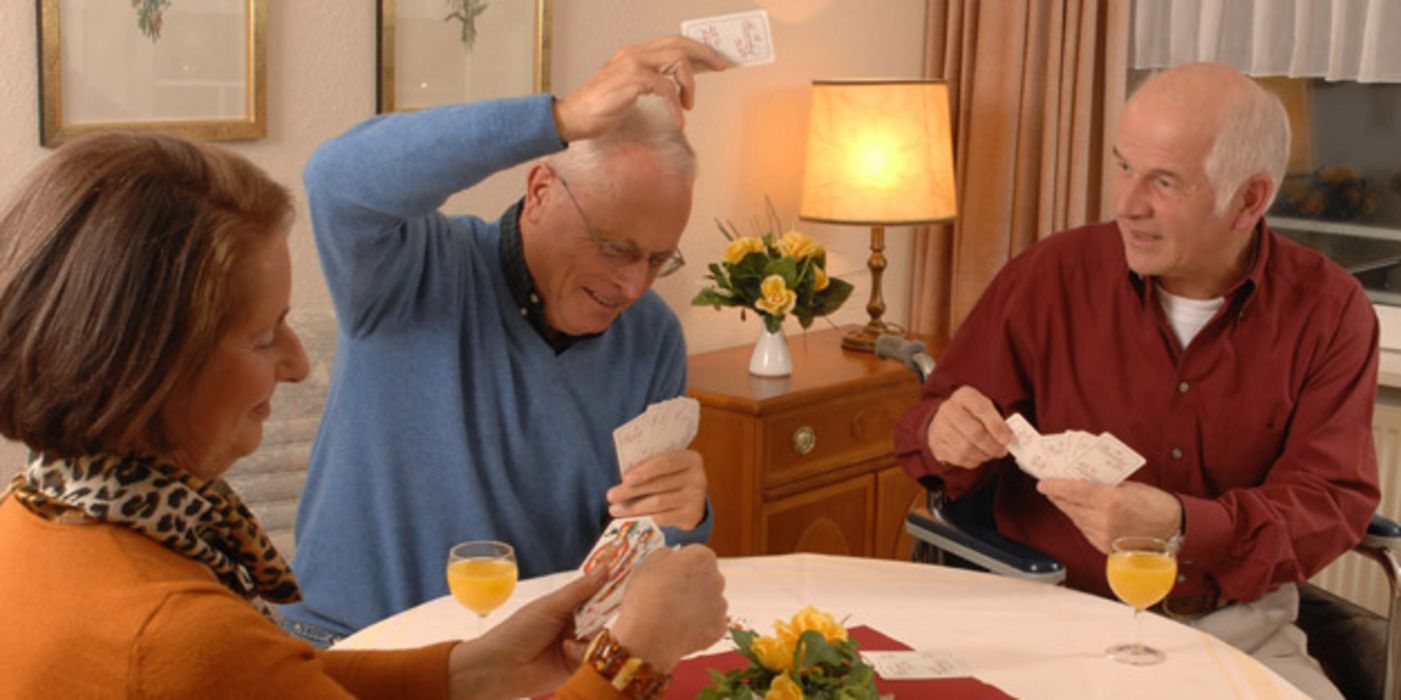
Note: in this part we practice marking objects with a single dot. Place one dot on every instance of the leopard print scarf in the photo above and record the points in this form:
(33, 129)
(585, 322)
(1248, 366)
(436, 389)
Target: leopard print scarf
(202, 520)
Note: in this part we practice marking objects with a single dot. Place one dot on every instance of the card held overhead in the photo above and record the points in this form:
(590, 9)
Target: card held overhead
(742, 37)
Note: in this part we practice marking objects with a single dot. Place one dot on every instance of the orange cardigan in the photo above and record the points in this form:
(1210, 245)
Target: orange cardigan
(95, 611)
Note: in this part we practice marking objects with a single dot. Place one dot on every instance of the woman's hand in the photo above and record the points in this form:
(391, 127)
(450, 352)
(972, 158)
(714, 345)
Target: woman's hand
(530, 653)
(674, 605)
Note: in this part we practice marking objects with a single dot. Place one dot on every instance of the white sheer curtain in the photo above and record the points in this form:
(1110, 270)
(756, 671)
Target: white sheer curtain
(1334, 39)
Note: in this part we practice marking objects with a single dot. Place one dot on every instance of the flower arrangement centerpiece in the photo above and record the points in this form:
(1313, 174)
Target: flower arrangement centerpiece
(773, 275)
(810, 656)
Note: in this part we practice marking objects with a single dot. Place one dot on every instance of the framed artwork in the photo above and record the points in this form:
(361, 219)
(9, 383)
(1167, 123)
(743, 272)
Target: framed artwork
(436, 52)
(193, 68)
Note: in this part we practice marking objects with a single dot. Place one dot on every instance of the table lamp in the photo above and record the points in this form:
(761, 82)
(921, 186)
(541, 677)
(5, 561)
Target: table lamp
(878, 155)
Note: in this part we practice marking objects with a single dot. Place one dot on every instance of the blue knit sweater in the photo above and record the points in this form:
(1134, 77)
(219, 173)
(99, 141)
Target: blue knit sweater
(449, 418)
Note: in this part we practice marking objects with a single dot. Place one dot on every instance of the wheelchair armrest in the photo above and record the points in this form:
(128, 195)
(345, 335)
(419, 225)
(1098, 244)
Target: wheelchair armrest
(1382, 533)
(982, 546)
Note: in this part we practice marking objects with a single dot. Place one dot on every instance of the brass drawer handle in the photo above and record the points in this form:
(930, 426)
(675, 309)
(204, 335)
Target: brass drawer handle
(804, 439)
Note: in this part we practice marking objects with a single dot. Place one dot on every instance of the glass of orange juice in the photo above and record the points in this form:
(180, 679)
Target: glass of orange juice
(1141, 572)
(481, 574)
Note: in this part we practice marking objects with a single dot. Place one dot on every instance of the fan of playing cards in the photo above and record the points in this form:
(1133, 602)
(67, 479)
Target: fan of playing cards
(1074, 454)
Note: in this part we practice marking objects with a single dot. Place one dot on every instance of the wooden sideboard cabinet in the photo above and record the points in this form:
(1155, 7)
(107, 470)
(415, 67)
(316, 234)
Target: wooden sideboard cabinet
(805, 463)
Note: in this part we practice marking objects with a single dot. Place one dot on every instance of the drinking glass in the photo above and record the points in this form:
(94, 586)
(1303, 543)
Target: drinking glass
(1141, 572)
(481, 574)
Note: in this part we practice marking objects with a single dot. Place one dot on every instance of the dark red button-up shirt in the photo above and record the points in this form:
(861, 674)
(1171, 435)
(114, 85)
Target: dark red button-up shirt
(1262, 426)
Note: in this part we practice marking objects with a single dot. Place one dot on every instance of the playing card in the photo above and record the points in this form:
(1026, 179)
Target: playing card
(1026, 446)
(1080, 442)
(897, 665)
(623, 545)
(743, 37)
(1108, 461)
(1024, 437)
(666, 426)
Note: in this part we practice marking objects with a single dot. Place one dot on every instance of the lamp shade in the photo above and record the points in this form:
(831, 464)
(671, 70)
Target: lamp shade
(878, 153)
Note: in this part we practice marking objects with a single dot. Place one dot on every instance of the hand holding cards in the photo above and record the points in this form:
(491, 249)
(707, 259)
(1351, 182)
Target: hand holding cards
(1074, 454)
(660, 477)
(623, 545)
(668, 602)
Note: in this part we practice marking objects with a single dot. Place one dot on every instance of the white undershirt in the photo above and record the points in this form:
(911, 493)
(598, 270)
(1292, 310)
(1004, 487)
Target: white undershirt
(1187, 316)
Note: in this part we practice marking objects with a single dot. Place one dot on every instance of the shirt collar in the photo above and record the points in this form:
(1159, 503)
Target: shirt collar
(524, 294)
(1241, 293)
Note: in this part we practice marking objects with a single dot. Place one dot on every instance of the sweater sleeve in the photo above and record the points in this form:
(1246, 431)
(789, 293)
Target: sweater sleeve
(374, 193)
(411, 673)
(210, 644)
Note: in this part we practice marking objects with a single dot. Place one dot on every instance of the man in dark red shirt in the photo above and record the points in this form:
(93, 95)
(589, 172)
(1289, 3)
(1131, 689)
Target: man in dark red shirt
(1240, 365)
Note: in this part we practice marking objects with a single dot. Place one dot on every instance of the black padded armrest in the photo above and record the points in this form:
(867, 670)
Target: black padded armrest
(1382, 526)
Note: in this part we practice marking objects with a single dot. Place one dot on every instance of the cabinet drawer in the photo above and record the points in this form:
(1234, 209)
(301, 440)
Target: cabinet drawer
(831, 520)
(813, 439)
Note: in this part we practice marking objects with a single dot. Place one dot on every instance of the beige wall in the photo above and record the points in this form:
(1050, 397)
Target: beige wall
(749, 125)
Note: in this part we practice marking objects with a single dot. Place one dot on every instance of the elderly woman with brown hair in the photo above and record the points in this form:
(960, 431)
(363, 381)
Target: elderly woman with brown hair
(144, 287)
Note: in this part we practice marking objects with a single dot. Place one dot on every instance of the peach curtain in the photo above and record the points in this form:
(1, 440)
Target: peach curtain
(1035, 87)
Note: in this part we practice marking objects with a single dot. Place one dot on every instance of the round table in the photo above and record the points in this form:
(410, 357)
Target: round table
(1030, 640)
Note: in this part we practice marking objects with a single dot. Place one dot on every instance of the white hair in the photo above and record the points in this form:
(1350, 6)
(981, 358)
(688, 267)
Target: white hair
(647, 127)
(1253, 139)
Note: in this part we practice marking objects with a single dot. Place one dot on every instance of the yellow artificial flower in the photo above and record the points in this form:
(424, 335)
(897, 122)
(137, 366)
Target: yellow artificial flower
(809, 618)
(819, 279)
(799, 245)
(740, 247)
(783, 688)
(777, 299)
(773, 654)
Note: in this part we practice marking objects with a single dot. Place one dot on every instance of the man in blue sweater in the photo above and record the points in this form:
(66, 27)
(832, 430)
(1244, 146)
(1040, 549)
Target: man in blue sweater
(481, 367)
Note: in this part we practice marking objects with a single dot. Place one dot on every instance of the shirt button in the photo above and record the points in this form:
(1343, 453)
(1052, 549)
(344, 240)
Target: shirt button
(1176, 453)
(525, 311)
(534, 299)
(1182, 388)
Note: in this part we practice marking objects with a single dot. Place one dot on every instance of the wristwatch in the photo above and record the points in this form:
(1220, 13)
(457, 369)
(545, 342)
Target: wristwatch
(634, 678)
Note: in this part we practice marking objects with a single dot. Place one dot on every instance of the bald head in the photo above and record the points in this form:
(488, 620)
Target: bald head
(1242, 126)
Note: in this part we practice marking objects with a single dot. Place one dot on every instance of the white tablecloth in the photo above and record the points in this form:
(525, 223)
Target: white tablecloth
(1030, 640)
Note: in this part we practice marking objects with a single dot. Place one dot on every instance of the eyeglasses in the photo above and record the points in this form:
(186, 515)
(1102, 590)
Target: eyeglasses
(622, 253)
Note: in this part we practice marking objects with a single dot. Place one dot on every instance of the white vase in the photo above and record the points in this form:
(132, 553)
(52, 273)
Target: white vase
(770, 358)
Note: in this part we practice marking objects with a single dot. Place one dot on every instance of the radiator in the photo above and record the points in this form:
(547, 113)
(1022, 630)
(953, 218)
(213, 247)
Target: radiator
(1354, 576)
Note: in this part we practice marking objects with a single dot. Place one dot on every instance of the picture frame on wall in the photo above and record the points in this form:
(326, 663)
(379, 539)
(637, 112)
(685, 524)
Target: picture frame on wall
(437, 52)
(192, 68)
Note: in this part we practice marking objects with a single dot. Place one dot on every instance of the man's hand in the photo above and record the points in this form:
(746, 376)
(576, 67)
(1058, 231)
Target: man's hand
(669, 487)
(530, 653)
(1106, 513)
(674, 605)
(664, 67)
(967, 430)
